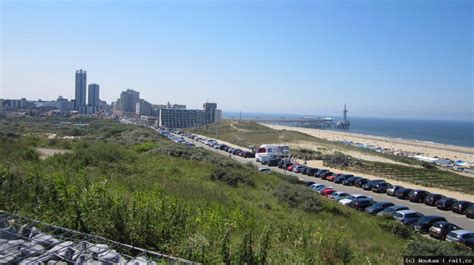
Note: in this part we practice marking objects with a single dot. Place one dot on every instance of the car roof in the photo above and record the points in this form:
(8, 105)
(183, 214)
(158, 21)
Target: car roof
(406, 211)
(462, 232)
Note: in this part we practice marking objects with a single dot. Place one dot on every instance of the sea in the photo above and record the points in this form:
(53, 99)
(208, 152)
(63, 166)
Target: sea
(459, 133)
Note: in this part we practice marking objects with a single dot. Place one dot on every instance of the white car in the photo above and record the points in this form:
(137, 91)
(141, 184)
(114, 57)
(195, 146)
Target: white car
(339, 195)
(349, 199)
(316, 185)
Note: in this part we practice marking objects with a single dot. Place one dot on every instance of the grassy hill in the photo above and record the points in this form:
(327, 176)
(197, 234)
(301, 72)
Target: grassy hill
(128, 184)
(248, 133)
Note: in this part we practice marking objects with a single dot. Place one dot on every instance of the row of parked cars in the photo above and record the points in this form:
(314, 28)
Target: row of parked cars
(436, 226)
(175, 138)
(216, 145)
(381, 186)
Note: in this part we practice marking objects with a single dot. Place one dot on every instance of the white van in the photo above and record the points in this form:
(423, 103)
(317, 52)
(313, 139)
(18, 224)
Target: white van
(268, 151)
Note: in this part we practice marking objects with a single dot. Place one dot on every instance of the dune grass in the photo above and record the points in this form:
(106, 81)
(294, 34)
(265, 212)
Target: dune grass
(130, 185)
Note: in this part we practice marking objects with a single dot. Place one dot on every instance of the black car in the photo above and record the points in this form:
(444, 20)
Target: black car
(418, 195)
(381, 187)
(319, 172)
(273, 162)
(445, 203)
(248, 154)
(460, 206)
(361, 204)
(350, 181)
(309, 171)
(286, 165)
(423, 225)
(378, 207)
(439, 230)
(341, 178)
(308, 183)
(324, 175)
(371, 183)
(469, 212)
(432, 198)
(358, 183)
(403, 193)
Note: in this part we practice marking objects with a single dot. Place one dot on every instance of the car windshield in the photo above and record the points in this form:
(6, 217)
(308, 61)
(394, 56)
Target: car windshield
(412, 215)
(398, 215)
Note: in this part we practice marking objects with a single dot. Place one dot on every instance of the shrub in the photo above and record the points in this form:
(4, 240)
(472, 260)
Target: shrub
(395, 228)
(420, 246)
(231, 178)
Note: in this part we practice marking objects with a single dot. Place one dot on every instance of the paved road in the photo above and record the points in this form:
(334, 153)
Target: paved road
(457, 219)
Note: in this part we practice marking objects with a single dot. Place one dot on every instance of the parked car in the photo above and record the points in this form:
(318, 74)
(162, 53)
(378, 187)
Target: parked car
(439, 230)
(273, 162)
(348, 200)
(350, 181)
(361, 203)
(393, 190)
(298, 168)
(417, 195)
(248, 154)
(460, 206)
(358, 183)
(319, 172)
(320, 188)
(310, 171)
(290, 167)
(381, 187)
(407, 217)
(389, 211)
(423, 225)
(460, 236)
(332, 177)
(378, 207)
(327, 191)
(317, 186)
(469, 212)
(326, 174)
(432, 198)
(308, 183)
(445, 203)
(339, 195)
(403, 193)
(371, 183)
(339, 179)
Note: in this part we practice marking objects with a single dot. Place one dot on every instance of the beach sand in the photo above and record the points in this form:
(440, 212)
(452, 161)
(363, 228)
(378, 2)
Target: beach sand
(400, 145)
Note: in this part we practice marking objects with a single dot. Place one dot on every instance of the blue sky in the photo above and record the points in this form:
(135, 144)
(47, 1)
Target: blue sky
(382, 58)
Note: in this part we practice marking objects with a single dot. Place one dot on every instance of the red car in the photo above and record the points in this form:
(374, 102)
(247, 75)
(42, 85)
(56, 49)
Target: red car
(327, 191)
(290, 168)
(332, 177)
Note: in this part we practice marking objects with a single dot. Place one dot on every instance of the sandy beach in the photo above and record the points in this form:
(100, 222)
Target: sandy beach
(400, 145)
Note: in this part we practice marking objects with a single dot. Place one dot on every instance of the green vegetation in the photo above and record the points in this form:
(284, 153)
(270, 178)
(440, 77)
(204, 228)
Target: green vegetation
(425, 176)
(128, 184)
(246, 133)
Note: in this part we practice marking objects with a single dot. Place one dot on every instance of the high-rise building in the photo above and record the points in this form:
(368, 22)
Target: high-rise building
(129, 100)
(93, 96)
(81, 84)
(210, 109)
(143, 108)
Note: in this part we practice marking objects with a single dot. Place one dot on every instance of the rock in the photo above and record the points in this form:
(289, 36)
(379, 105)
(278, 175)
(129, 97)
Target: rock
(63, 250)
(43, 239)
(140, 261)
(9, 233)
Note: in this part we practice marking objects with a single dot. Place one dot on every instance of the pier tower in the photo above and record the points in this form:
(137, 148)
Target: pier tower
(344, 124)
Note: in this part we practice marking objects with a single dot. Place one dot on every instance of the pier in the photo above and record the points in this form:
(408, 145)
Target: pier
(315, 123)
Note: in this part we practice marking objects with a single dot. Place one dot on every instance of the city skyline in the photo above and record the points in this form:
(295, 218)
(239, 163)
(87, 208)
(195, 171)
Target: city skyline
(382, 59)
